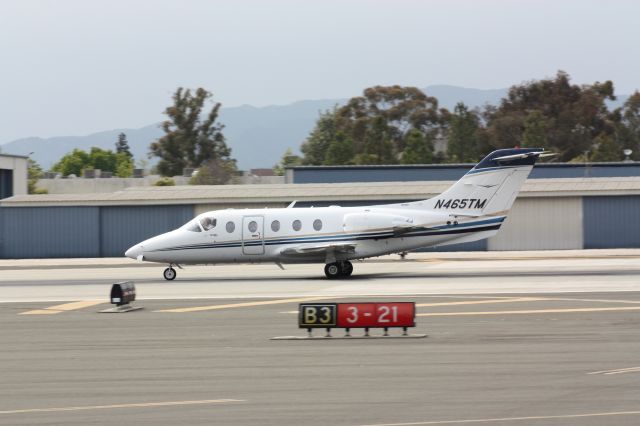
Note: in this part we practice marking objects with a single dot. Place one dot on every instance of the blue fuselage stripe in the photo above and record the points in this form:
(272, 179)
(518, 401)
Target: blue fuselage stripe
(477, 226)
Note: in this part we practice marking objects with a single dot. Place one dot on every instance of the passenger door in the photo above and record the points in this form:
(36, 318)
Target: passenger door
(253, 235)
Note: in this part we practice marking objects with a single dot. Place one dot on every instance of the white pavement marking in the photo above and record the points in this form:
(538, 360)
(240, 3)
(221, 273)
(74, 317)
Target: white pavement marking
(468, 302)
(571, 299)
(618, 371)
(479, 302)
(139, 405)
(532, 311)
(512, 419)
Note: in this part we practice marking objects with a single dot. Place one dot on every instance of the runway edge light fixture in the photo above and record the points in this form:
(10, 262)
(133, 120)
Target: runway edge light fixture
(122, 294)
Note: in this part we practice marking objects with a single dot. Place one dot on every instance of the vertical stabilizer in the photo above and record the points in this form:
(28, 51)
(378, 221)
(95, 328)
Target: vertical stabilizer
(490, 187)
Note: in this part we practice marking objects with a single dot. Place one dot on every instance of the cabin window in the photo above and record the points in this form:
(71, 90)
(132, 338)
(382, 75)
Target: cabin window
(275, 226)
(192, 226)
(208, 223)
(231, 227)
(317, 224)
(297, 225)
(253, 226)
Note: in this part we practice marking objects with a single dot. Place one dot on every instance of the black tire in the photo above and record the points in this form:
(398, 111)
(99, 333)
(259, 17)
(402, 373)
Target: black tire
(332, 271)
(169, 274)
(346, 268)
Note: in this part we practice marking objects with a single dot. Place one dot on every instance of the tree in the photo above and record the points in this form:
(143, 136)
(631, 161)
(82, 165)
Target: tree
(215, 171)
(314, 149)
(289, 159)
(376, 125)
(377, 145)
(340, 151)
(462, 146)
(72, 163)
(567, 116)
(103, 159)
(418, 149)
(192, 138)
(535, 131)
(122, 145)
(628, 128)
(124, 165)
(606, 149)
(106, 160)
(380, 120)
(34, 173)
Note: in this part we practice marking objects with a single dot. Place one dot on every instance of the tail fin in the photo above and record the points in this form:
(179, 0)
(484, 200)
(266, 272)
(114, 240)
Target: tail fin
(490, 187)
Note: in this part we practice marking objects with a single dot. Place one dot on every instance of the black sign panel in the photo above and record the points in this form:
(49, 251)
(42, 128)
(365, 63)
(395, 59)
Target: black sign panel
(317, 315)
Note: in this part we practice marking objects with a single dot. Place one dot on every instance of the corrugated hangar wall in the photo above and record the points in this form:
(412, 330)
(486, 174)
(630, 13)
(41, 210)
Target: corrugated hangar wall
(125, 226)
(572, 222)
(35, 232)
(535, 224)
(42, 232)
(612, 222)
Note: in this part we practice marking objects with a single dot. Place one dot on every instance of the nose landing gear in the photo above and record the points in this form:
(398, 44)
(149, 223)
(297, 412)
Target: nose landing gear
(169, 273)
(338, 269)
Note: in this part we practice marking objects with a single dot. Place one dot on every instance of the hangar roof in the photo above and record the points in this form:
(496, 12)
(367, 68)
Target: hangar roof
(285, 193)
(13, 155)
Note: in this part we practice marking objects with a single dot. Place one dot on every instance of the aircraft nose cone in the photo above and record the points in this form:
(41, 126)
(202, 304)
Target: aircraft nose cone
(134, 251)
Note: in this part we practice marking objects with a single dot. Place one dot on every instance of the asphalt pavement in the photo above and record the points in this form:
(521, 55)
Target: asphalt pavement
(529, 357)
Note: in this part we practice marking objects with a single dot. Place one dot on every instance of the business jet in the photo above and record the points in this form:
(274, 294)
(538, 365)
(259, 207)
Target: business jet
(472, 209)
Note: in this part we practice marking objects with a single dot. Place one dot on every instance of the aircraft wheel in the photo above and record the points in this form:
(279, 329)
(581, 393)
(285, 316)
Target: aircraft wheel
(332, 270)
(169, 274)
(346, 268)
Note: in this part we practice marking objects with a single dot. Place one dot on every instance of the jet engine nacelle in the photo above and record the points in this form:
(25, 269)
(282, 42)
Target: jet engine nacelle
(368, 221)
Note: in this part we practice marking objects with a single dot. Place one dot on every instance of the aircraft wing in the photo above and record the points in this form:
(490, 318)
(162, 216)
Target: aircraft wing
(403, 228)
(316, 248)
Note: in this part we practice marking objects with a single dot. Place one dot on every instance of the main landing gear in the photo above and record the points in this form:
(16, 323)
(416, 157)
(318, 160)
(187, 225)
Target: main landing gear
(169, 273)
(338, 269)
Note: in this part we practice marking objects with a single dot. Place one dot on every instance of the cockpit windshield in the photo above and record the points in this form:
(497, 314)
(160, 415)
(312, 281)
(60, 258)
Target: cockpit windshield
(208, 223)
(192, 225)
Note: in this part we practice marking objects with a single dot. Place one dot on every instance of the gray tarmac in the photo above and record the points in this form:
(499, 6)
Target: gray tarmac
(510, 341)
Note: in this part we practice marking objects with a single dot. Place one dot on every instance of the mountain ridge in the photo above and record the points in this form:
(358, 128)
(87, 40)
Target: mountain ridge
(258, 136)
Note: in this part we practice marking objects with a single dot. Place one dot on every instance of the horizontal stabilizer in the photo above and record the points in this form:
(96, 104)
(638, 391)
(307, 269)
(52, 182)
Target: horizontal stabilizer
(539, 154)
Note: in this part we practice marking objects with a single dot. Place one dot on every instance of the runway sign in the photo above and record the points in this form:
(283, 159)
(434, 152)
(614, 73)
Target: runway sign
(357, 315)
(376, 315)
(317, 315)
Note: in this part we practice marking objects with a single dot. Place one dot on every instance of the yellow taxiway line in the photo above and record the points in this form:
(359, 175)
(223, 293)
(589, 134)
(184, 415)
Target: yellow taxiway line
(64, 307)
(532, 311)
(139, 405)
(513, 419)
(244, 304)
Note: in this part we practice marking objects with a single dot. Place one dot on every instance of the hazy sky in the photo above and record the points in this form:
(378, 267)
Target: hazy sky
(72, 67)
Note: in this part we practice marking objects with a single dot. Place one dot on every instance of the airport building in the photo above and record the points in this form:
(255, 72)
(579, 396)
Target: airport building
(422, 172)
(559, 213)
(13, 175)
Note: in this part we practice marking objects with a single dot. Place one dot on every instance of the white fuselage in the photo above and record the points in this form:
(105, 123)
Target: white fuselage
(473, 208)
(267, 235)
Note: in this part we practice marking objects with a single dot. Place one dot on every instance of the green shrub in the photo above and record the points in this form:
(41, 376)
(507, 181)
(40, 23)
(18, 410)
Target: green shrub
(165, 181)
